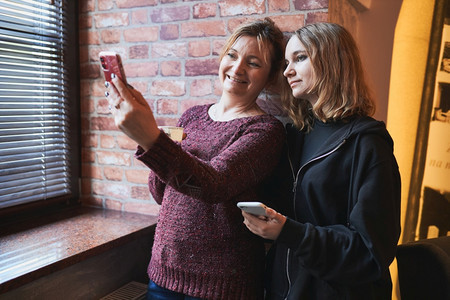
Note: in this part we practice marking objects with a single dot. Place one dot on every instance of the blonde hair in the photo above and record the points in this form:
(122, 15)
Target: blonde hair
(268, 36)
(339, 77)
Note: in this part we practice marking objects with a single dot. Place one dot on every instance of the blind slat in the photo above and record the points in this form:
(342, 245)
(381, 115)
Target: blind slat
(34, 149)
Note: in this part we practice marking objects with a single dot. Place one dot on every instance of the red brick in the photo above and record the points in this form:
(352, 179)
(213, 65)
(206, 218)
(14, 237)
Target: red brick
(105, 5)
(169, 50)
(170, 68)
(87, 5)
(91, 171)
(137, 176)
(186, 104)
(289, 23)
(166, 121)
(113, 173)
(199, 67)
(308, 4)
(141, 86)
(113, 204)
(84, 22)
(84, 54)
(142, 208)
(87, 37)
(199, 48)
(201, 87)
(315, 17)
(103, 123)
(138, 52)
(135, 3)
(239, 7)
(86, 107)
(139, 16)
(110, 36)
(217, 46)
(235, 22)
(204, 10)
(89, 140)
(111, 20)
(170, 14)
(278, 5)
(126, 143)
(203, 28)
(142, 69)
(141, 34)
(168, 88)
(141, 193)
(107, 141)
(167, 107)
(114, 158)
(169, 32)
(97, 88)
(85, 88)
(91, 71)
(111, 189)
(87, 155)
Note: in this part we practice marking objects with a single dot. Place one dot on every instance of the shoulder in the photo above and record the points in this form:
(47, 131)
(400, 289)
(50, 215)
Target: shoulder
(265, 124)
(194, 113)
(373, 141)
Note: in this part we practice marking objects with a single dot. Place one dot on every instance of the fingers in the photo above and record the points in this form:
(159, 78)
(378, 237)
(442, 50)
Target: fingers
(112, 96)
(268, 228)
(122, 89)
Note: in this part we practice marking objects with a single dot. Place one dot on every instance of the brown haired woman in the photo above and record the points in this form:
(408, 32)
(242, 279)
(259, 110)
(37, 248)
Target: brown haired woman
(338, 187)
(202, 248)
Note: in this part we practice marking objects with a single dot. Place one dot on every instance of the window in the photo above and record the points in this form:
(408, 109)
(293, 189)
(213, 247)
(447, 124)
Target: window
(38, 102)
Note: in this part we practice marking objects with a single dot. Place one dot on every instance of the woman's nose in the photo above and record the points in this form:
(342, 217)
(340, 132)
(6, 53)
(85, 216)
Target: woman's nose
(238, 67)
(289, 71)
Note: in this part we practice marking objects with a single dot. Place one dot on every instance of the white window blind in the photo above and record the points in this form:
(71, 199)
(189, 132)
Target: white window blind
(34, 148)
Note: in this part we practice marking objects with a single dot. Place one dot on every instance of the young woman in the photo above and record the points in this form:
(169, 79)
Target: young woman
(201, 247)
(337, 222)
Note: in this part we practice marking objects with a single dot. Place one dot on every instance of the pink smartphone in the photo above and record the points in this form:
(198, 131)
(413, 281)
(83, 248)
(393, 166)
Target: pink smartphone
(111, 63)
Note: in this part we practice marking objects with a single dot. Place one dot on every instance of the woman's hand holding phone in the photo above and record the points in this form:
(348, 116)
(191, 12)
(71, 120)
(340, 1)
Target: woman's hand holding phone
(132, 114)
(268, 226)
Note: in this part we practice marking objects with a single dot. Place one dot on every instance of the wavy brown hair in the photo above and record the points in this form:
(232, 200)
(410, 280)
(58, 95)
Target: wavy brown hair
(339, 78)
(269, 37)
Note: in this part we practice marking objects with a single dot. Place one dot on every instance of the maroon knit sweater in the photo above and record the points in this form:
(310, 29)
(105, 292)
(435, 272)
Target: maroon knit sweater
(201, 247)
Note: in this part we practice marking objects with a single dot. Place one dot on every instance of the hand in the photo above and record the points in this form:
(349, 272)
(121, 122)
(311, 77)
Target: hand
(132, 114)
(266, 227)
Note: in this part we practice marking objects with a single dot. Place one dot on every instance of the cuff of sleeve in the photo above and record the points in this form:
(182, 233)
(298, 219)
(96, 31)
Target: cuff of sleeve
(292, 233)
(162, 156)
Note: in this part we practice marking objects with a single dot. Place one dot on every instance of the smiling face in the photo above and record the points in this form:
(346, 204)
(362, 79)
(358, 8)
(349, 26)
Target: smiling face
(243, 70)
(299, 71)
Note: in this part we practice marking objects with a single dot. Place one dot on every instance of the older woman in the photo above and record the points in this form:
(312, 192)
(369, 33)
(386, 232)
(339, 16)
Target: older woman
(201, 247)
(339, 200)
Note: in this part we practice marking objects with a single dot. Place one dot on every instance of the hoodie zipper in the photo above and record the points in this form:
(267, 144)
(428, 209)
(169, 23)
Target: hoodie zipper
(287, 273)
(294, 190)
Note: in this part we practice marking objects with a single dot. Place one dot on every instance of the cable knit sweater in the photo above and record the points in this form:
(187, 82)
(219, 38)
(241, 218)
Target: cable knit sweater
(201, 246)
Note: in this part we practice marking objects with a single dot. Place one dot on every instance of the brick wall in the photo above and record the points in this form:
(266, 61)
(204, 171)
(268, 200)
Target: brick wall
(169, 49)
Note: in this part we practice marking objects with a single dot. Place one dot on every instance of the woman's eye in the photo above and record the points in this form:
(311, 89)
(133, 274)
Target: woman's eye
(255, 65)
(231, 55)
(301, 57)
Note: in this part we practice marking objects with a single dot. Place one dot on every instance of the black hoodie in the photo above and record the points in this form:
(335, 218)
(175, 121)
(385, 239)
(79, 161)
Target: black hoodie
(343, 209)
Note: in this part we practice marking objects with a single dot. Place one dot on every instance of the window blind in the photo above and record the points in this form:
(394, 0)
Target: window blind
(34, 119)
